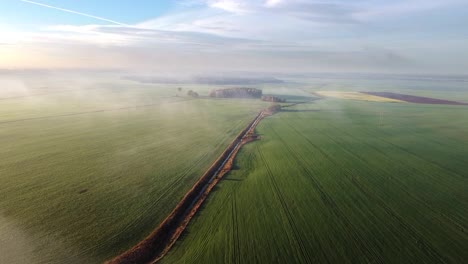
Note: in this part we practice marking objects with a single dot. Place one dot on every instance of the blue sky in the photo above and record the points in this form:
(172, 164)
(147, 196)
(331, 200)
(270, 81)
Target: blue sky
(20, 13)
(401, 36)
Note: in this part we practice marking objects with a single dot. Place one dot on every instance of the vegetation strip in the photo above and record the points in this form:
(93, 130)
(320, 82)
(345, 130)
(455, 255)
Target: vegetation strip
(159, 242)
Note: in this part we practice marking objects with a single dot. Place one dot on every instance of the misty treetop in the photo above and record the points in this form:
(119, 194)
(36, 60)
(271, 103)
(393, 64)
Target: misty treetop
(236, 93)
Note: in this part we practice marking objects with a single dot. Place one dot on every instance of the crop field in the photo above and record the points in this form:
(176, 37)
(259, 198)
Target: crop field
(356, 96)
(339, 181)
(86, 174)
(436, 88)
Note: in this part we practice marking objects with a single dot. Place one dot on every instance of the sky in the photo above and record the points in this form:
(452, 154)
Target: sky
(169, 36)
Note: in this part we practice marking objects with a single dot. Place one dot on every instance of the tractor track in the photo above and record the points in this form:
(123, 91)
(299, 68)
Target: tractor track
(422, 243)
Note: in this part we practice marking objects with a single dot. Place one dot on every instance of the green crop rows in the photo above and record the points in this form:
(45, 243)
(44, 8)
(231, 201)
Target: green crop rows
(84, 178)
(337, 181)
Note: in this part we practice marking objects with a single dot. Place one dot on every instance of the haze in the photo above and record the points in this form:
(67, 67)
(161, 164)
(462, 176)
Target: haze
(403, 36)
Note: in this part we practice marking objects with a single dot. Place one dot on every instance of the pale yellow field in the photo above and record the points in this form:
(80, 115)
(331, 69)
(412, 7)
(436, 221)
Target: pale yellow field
(356, 96)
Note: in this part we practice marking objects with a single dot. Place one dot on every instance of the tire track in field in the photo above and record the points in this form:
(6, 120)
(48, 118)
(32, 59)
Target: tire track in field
(289, 216)
(235, 230)
(236, 258)
(326, 199)
(435, 164)
(453, 173)
(456, 174)
(420, 240)
(458, 224)
(454, 219)
(455, 142)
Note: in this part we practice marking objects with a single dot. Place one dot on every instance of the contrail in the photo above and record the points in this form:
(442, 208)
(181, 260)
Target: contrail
(74, 12)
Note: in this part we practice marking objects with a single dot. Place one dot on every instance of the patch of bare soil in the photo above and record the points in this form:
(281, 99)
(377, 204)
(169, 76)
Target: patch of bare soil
(414, 99)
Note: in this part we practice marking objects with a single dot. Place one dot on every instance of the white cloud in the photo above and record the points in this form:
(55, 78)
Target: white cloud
(398, 8)
(238, 34)
(272, 3)
(234, 6)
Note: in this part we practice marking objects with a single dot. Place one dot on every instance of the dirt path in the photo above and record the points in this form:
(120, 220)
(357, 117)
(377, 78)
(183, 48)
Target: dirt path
(160, 241)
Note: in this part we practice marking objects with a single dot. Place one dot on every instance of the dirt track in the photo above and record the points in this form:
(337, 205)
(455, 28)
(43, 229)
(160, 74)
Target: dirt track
(160, 241)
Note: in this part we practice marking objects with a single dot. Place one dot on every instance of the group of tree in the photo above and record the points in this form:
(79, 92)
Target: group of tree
(192, 93)
(236, 93)
(274, 99)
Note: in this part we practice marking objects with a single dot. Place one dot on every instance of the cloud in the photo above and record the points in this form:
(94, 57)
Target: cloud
(273, 3)
(337, 11)
(398, 8)
(233, 6)
(209, 35)
(319, 12)
(144, 36)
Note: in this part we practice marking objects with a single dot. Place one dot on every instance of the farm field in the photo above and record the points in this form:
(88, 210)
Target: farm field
(339, 181)
(234, 132)
(448, 89)
(86, 174)
(356, 96)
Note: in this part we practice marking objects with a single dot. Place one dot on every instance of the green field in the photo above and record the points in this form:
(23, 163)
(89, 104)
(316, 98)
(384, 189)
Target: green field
(87, 173)
(88, 169)
(337, 181)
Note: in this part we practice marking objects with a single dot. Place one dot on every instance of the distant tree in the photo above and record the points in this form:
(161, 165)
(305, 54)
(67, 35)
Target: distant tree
(236, 93)
(179, 89)
(275, 99)
(192, 93)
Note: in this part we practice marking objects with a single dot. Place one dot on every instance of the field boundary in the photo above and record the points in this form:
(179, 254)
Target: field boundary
(160, 241)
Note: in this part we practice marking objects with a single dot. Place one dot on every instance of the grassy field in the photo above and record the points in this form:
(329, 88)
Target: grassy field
(86, 173)
(338, 181)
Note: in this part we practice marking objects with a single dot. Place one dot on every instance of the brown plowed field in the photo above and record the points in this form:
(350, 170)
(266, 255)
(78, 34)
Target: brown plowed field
(414, 99)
